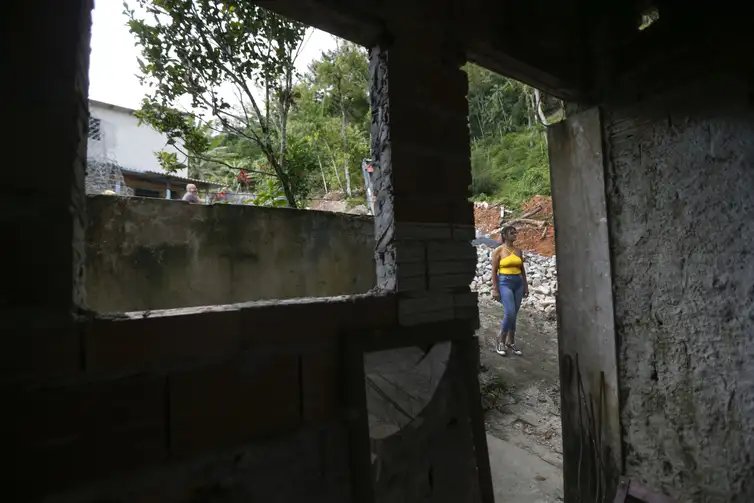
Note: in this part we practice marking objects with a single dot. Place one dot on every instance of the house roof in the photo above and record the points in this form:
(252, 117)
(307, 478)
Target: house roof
(157, 174)
(110, 106)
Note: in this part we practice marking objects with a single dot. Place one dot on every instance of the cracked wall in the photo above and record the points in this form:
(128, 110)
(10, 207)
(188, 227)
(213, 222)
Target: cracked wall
(680, 181)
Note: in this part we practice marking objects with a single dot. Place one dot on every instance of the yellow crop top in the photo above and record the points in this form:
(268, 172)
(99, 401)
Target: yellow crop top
(511, 264)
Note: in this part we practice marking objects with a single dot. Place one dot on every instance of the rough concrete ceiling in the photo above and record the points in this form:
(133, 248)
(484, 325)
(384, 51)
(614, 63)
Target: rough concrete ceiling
(535, 41)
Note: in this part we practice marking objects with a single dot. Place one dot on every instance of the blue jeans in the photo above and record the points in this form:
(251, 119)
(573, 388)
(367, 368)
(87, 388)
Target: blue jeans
(511, 294)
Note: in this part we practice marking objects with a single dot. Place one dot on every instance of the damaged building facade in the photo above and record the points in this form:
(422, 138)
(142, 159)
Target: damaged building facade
(652, 176)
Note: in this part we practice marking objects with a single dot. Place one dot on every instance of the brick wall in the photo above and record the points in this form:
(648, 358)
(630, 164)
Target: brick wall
(43, 210)
(423, 228)
(424, 221)
(229, 403)
(101, 408)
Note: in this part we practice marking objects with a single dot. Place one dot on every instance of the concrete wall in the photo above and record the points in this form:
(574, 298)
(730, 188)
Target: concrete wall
(126, 142)
(154, 254)
(680, 182)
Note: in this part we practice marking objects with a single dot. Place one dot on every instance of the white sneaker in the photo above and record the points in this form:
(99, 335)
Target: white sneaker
(515, 350)
(500, 349)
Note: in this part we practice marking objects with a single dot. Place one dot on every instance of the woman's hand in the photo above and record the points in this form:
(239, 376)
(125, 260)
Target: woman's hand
(496, 294)
(526, 291)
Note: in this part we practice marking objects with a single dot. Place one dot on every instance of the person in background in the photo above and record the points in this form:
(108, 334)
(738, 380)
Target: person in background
(509, 286)
(191, 195)
(223, 194)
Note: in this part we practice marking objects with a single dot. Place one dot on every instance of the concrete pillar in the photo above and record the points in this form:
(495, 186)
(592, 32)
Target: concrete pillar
(424, 220)
(43, 212)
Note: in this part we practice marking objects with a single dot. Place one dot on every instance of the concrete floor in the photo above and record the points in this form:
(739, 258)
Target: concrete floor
(519, 476)
(524, 432)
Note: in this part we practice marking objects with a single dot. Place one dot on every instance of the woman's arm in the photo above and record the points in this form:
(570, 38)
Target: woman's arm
(495, 260)
(523, 273)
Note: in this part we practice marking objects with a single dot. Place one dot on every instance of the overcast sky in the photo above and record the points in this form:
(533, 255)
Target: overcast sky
(113, 67)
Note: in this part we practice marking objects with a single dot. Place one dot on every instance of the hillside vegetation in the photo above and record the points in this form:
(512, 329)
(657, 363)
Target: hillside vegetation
(508, 146)
(257, 126)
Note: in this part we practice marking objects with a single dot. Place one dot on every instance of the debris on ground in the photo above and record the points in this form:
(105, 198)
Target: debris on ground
(534, 221)
(521, 401)
(541, 274)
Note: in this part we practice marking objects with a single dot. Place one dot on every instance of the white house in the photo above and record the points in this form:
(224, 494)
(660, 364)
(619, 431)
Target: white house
(115, 135)
(127, 151)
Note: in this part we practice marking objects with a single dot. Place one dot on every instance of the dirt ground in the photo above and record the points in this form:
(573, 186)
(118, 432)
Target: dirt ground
(537, 238)
(522, 398)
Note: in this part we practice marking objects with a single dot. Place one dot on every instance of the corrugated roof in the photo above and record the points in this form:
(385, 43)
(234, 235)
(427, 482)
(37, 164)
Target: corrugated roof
(171, 176)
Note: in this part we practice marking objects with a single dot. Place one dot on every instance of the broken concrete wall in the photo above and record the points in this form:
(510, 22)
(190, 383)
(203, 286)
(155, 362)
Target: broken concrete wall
(680, 179)
(154, 254)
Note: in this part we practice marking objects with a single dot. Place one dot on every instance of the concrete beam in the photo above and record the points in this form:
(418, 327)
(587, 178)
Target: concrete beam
(515, 43)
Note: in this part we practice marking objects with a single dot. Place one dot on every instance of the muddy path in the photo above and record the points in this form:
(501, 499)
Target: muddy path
(521, 395)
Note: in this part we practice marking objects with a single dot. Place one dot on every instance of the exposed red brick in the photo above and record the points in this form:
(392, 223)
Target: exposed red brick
(234, 402)
(300, 322)
(290, 323)
(442, 137)
(63, 437)
(374, 312)
(113, 345)
(432, 87)
(421, 209)
(41, 353)
(419, 172)
(459, 178)
(322, 381)
(463, 213)
(130, 345)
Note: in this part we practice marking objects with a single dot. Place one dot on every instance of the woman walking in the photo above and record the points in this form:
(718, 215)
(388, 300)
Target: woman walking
(509, 286)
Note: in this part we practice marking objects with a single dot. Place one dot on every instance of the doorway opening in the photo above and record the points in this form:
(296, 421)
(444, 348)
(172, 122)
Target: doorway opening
(511, 188)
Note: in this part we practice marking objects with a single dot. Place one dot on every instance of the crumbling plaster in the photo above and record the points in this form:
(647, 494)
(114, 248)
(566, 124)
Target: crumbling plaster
(682, 224)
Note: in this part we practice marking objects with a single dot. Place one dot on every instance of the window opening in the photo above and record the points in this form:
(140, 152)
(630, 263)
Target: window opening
(95, 131)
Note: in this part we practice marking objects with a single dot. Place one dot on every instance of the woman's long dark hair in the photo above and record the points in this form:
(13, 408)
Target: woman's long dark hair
(505, 231)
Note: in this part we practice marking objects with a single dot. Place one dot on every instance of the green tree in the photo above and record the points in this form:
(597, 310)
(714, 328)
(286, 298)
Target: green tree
(340, 77)
(198, 48)
(332, 112)
(508, 144)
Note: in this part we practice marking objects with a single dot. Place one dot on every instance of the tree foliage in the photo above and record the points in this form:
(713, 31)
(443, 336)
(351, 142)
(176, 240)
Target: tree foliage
(299, 136)
(509, 160)
(208, 51)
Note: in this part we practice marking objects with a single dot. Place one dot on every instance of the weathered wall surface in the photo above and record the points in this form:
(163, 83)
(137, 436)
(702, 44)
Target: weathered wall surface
(125, 140)
(680, 182)
(154, 254)
(238, 402)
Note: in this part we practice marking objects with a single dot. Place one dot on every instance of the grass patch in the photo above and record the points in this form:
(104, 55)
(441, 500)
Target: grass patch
(511, 169)
(493, 389)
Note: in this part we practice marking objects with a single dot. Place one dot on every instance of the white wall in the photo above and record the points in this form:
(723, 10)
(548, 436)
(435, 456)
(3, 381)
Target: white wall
(124, 141)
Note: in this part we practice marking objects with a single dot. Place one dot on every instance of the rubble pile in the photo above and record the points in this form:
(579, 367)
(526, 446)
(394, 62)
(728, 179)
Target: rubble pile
(540, 271)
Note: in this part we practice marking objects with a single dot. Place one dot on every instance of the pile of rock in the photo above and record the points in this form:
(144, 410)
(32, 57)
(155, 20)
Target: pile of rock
(541, 272)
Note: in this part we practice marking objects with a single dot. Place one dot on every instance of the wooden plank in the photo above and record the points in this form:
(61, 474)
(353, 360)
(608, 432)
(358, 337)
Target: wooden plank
(357, 419)
(592, 459)
(418, 335)
(470, 351)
